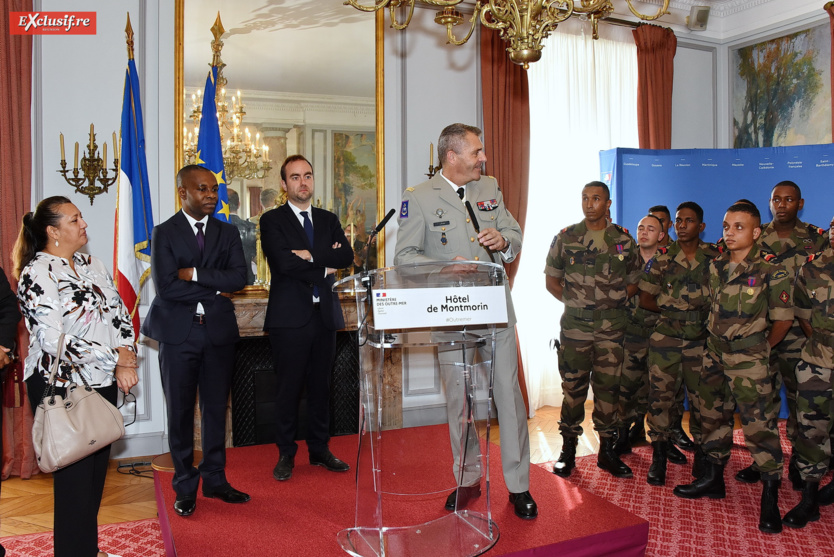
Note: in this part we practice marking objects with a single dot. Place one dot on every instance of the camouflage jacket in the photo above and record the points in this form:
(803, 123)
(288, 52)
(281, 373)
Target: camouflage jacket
(681, 287)
(791, 252)
(595, 277)
(638, 317)
(742, 301)
(814, 299)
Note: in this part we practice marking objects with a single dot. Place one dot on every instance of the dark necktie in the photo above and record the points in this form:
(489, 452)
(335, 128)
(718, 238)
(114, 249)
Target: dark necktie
(201, 237)
(460, 193)
(308, 228)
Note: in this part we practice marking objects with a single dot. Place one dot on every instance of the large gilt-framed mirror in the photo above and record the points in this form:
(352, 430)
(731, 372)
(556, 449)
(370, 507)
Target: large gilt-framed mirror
(310, 78)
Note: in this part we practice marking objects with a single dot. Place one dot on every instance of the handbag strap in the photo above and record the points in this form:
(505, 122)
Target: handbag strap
(49, 392)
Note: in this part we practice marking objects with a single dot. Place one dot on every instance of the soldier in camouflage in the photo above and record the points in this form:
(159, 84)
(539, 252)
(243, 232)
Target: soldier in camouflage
(746, 290)
(813, 297)
(634, 378)
(593, 268)
(675, 285)
(791, 241)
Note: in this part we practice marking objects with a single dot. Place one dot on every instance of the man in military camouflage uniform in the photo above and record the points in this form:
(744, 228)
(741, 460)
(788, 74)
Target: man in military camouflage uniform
(665, 217)
(746, 289)
(814, 301)
(434, 226)
(592, 267)
(675, 284)
(791, 241)
(634, 378)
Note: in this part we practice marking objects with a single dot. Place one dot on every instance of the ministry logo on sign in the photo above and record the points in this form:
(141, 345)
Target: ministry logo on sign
(52, 23)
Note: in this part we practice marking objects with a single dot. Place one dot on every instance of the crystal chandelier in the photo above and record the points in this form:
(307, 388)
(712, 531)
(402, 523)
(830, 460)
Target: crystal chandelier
(243, 157)
(524, 24)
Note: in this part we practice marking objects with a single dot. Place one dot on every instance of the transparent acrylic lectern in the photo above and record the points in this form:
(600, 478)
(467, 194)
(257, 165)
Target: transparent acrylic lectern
(448, 309)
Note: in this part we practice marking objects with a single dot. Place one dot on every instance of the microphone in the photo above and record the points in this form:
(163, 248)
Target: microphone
(384, 221)
(477, 226)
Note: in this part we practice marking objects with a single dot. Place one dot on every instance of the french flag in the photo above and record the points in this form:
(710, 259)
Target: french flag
(134, 214)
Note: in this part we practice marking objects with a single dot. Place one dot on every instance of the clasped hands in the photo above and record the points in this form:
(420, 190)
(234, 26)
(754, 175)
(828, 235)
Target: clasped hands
(125, 372)
(307, 256)
(5, 358)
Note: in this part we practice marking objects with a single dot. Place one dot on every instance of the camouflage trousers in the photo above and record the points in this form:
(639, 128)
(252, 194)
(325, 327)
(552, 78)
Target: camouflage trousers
(673, 362)
(783, 360)
(634, 379)
(815, 411)
(739, 379)
(595, 359)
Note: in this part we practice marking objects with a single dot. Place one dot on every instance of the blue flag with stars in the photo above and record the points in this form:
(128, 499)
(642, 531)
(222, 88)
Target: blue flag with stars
(209, 147)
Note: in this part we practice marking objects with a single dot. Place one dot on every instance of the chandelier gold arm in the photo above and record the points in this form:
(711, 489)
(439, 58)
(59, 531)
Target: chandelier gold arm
(376, 6)
(664, 9)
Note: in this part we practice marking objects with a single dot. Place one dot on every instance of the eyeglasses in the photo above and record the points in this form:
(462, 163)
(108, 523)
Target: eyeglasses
(129, 404)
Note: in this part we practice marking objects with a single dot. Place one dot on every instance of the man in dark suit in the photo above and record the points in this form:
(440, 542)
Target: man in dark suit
(304, 246)
(9, 316)
(195, 260)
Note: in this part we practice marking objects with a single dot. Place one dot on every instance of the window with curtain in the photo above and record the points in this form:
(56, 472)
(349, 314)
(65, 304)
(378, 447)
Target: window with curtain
(583, 99)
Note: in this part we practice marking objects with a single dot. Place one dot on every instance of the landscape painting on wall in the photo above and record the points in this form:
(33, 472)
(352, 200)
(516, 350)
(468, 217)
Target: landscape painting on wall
(354, 187)
(781, 90)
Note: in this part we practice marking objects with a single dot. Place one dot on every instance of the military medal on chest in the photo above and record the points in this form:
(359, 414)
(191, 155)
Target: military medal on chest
(440, 213)
(443, 239)
(620, 251)
(751, 282)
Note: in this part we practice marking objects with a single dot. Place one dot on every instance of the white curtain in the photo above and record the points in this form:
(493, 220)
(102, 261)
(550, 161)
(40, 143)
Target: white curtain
(583, 99)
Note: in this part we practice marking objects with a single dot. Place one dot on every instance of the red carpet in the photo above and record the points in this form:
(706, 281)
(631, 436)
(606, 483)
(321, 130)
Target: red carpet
(302, 516)
(716, 528)
(140, 538)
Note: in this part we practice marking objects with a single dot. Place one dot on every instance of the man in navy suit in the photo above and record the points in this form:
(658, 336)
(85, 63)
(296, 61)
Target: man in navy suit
(304, 246)
(196, 260)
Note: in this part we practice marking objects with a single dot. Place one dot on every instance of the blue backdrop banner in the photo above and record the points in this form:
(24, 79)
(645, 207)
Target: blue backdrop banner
(715, 178)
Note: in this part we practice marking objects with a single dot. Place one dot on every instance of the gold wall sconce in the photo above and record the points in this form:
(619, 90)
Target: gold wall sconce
(91, 177)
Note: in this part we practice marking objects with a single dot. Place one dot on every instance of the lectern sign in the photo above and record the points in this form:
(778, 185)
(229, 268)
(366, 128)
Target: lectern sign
(411, 308)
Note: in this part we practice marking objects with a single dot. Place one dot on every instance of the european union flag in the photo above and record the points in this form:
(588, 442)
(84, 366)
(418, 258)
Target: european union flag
(209, 147)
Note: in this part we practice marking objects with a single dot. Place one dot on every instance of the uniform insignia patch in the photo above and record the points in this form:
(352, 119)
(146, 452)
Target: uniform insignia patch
(572, 260)
(441, 223)
(780, 274)
(490, 205)
(812, 257)
(648, 266)
(785, 297)
(620, 249)
(553, 243)
(662, 250)
(440, 213)
(404, 210)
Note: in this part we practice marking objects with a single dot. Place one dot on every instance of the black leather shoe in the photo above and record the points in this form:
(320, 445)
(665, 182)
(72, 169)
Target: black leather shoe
(567, 460)
(711, 484)
(770, 521)
(674, 455)
(679, 437)
(748, 475)
(329, 461)
(808, 509)
(225, 493)
(467, 493)
(524, 505)
(185, 505)
(608, 460)
(283, 470)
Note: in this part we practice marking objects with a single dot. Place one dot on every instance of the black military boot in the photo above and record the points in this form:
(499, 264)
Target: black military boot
(793, 473)
(657, 470)
(637, 435)
(808, 509)
(711, 484)
(609, 461)
(748, 475)
(623, 443)
(770, 521)
(567, 460)
(674, 455)
(826, 496)
(679, 437)
(698, 462)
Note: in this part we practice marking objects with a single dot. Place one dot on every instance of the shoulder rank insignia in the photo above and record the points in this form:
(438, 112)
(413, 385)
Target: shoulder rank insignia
(409, 188)
(490, 205)
(553, 243)
(620, 228)
(816, 230)
(648, 266)
(565, 229)
(662, 250)
(813, 256)
(767, 256)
